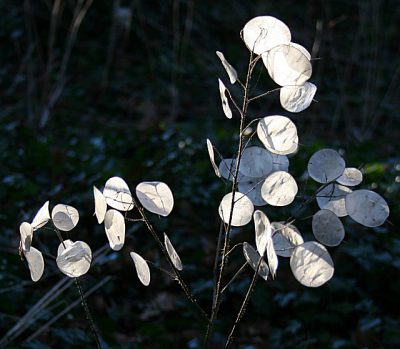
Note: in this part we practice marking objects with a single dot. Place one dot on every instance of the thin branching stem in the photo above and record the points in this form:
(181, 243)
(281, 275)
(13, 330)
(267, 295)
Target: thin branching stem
(178, 276)
(225, 248)
(244, 305)
(234, 277)
(264, 94)
(85, 306)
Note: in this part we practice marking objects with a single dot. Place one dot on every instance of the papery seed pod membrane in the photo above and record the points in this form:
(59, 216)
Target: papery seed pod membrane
(74, 258)
(210, 150)
(64, 217)
(114, 225)
(242, 209)
(42, 217)
(279, 189)
(35, 262)
(297, 98)
(142, 269)
(351, 177)
(263, 230)
(287, 65)
(251, 187)
(100, 205)
(327, 228)
(256, 162)
(332, 197)
(228, 68)
(278, 134)
(118, 194)
(173, 255)
(262, 33)
(311, 264)
(325, 165)
(285, 237)
(253, 259)
(155, 197)
(26, 233)
(224, 100)
(367, 207)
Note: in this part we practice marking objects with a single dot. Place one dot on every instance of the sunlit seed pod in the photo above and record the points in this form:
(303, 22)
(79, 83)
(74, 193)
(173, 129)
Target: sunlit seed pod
(74, 258)
(351, 177)
(287, 65)
(326, 165)
(35, 262)
(332, 197)
(142, 269)
(63, 246)
(64, 217)
(228, 68)
(173, 255)
(262, 33)
(311, 264)
(26, 233)
(251, 187)
(100, 205)
(253, 259)
(278, 134)
(242, 212)
(327, 228)
(210, 150)
(155, 197)
(263, 230)
(279, 189)
(301, 48)
(114, 225)
(297, 98)
(224, 100)
(255, 162)
(118, 194)
(272, 257)
(42, 217)
(367, 208)
(285, 237)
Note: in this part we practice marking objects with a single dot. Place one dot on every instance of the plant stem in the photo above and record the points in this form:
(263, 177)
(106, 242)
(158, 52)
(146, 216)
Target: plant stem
(89, 317)
(178, 276)
(225, 248)
(85, 306)
(244, 305)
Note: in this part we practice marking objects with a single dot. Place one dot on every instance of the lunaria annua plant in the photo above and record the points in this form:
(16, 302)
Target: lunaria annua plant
(259, 172)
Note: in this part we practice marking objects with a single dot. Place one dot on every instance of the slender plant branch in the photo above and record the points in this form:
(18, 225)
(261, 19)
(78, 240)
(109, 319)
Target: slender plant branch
(178, 276)
(264, 94)
(85, 306)
(244, 305)
(234, 277)
(225, 249)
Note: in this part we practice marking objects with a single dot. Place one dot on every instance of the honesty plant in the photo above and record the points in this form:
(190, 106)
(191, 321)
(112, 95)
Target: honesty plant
(259, 172)
(74, 258)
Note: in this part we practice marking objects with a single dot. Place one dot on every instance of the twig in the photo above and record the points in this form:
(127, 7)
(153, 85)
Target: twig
(244, 305)
(67, 309)
(225, 249)
(178, 276)
(234, 277)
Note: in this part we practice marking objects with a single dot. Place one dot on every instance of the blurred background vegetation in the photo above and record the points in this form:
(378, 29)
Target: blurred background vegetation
(133, 92)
